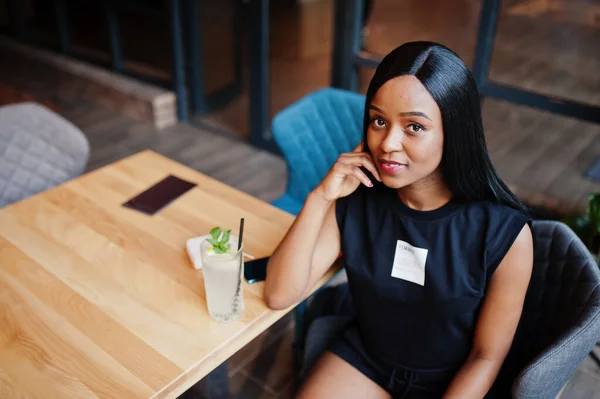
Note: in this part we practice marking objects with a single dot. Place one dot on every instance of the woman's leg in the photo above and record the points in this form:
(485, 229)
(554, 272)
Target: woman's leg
(333, 377)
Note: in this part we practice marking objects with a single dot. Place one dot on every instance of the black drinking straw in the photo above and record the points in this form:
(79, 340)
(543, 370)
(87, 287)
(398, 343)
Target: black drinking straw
(241, 234)
(239, 286)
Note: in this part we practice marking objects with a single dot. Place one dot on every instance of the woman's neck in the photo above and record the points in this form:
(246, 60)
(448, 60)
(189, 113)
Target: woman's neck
(427, 194)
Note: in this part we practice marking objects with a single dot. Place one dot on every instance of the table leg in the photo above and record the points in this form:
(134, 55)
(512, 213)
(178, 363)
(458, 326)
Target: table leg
(62, 22)
(178, 59)
(258, 50)
(198, 99)
(218, 382)
(18, 17)
(113, 33)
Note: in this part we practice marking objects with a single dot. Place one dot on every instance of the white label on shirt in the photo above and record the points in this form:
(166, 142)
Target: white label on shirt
(409, 263)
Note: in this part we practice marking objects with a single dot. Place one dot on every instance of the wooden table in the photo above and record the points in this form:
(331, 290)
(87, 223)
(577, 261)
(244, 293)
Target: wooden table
(97, 300)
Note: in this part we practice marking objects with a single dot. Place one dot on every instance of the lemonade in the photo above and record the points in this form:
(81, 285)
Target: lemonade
(222, 279)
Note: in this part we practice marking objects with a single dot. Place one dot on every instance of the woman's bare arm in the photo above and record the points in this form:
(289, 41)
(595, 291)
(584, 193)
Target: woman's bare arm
(497, 321)
(313, 242)
(309, 248)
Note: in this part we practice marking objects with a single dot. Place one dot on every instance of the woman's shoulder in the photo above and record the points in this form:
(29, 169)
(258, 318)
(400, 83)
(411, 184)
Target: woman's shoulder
(501, 225)
(492, 220)
(495, 209)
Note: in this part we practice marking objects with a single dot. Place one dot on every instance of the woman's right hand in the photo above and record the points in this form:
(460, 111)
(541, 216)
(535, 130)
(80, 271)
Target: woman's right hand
(345, 176)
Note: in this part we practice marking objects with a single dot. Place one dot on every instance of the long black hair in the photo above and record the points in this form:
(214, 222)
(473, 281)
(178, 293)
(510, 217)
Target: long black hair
(466, 165)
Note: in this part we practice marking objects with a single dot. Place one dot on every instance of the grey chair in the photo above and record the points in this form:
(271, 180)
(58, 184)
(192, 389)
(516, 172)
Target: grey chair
(559, 327)
(38, 150)
(561, 320)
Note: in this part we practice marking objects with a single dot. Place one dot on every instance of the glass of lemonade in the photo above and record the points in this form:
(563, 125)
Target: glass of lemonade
(223, 280)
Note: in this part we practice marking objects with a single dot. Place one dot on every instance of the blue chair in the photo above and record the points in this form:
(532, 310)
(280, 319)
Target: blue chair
(311, 134)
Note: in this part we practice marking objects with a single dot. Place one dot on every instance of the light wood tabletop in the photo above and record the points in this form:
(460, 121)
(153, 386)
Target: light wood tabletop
(98, 300)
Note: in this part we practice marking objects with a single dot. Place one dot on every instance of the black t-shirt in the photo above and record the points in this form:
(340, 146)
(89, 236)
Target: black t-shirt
(418, 278)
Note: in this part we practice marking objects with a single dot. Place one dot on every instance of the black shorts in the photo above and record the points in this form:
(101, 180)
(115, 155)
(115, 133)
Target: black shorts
(398, 381)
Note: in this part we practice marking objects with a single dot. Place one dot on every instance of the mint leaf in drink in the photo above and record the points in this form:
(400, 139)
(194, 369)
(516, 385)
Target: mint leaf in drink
(215, 233)
(219, 239)
(218, 250)
(223, 246)
(226, 235)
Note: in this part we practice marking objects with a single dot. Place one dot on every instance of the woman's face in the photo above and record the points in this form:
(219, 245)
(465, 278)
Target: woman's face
(405, 133)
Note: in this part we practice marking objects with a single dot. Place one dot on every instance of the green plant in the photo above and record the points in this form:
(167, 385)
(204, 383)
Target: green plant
(220, 240)
(587, 225)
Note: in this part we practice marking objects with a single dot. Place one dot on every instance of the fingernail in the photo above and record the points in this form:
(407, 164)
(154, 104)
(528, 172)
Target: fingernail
(370, 184)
